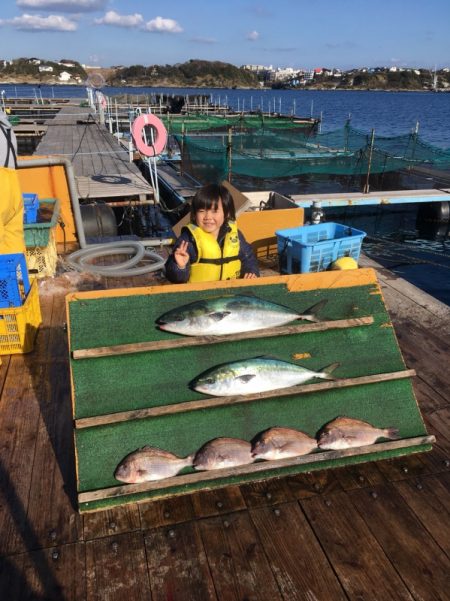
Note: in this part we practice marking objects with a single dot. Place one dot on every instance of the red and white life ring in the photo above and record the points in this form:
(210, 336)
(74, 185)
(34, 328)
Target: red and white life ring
(160, 138)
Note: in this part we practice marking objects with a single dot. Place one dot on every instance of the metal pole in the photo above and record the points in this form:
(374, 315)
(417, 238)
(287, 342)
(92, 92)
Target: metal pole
(182, 148)
(229, 147)
(369, 164)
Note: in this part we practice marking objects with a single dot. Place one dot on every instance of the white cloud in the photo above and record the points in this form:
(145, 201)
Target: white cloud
(161, 25)
(63, 5)
(253, 36)
(113, 18)
(37, 23)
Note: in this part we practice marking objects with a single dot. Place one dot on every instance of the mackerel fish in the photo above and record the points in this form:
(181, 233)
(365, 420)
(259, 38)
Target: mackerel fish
(148, 464)
(251, 376)
(346, 432)
(281, 443)
(220, 453)
(231, 314)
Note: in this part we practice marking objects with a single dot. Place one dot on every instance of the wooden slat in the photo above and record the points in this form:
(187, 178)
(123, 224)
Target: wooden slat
(176, 510)
(56, 573)
(112, 418)
(254, 468)
(19, 418)
(269, 492)
(114, 521)
(218, 501)
(238, 563)
(430, 501)
(417, 558)
(356, 556)
(178, 565)
(295, 555)
(56, 521)
(116, 568)
(440, 421)
(159, 345)
(311, 484)
(360, 476)
(401, 467)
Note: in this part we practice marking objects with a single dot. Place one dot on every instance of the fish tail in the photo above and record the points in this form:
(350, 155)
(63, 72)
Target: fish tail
(392, 433)
(328, 370)
(311, 313)
(189, 460)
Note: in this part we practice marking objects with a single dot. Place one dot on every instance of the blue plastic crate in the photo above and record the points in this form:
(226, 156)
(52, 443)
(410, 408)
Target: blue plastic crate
(14, 281)
(30, 207)
(314, 247)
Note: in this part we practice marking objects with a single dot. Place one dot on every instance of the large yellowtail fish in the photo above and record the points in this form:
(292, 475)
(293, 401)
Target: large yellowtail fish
(230, 315)
(260, 374)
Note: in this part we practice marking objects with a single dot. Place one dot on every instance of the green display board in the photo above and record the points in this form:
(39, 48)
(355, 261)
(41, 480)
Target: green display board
(108, 385)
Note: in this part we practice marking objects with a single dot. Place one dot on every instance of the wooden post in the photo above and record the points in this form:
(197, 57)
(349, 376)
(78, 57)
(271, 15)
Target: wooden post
(372, 138)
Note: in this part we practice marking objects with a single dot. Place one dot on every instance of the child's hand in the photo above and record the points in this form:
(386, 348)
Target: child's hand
(249, 276)
(181, 255)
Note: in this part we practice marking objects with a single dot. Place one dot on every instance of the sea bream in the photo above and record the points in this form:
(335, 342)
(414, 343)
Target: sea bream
(220, 453)
(346, 432)
(231, 314)
(260, 374)
(148, 464)
(281, 443)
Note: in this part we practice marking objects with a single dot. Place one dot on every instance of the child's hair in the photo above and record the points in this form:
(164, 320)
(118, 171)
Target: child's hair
(208, 197)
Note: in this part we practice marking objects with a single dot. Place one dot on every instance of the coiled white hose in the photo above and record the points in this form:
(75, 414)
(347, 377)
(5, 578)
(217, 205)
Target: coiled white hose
(79, 260)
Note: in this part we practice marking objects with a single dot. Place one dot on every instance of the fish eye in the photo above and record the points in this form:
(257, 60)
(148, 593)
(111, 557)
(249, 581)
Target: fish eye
(209, 380)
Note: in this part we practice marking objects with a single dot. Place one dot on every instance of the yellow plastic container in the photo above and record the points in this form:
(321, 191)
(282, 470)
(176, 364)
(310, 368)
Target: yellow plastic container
(19, 325)
(41, 260)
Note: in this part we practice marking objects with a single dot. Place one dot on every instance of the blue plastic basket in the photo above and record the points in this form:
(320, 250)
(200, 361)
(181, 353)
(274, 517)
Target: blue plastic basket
(314, 247)
(30, 207)
(14, 282)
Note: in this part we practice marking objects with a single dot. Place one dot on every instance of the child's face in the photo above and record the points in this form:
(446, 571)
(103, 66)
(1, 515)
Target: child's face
(211, 220)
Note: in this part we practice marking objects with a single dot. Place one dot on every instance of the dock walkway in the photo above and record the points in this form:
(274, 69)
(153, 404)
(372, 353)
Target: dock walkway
(374, 531)
(102, 167)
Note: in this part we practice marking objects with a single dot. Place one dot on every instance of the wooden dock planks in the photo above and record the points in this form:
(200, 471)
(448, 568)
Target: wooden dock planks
(101, 165)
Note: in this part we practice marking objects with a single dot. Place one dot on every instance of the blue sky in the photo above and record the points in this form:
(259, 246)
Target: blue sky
(293, 33)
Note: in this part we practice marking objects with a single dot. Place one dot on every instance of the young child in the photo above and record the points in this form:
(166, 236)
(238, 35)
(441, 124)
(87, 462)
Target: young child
(211, 248)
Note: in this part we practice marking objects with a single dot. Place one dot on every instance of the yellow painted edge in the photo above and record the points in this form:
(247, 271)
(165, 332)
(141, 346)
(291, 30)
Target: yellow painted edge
(294, 283)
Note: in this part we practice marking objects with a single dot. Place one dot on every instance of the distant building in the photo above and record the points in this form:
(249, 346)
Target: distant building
(66, 63)
(64, 76)
(45, 69)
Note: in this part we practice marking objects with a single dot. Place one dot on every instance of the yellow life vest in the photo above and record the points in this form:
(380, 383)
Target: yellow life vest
(11, 213)
(215, 263)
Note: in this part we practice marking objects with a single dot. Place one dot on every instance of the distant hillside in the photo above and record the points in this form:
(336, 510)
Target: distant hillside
(40, 71)
(193, 73)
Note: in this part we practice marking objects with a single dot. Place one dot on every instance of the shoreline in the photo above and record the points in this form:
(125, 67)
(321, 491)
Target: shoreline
(263, 89)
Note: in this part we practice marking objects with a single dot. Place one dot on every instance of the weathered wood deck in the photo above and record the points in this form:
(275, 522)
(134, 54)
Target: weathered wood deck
(101, 165)
(372, 531)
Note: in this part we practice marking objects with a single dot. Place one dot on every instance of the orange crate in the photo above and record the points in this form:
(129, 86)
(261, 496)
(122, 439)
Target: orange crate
(19, 325)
